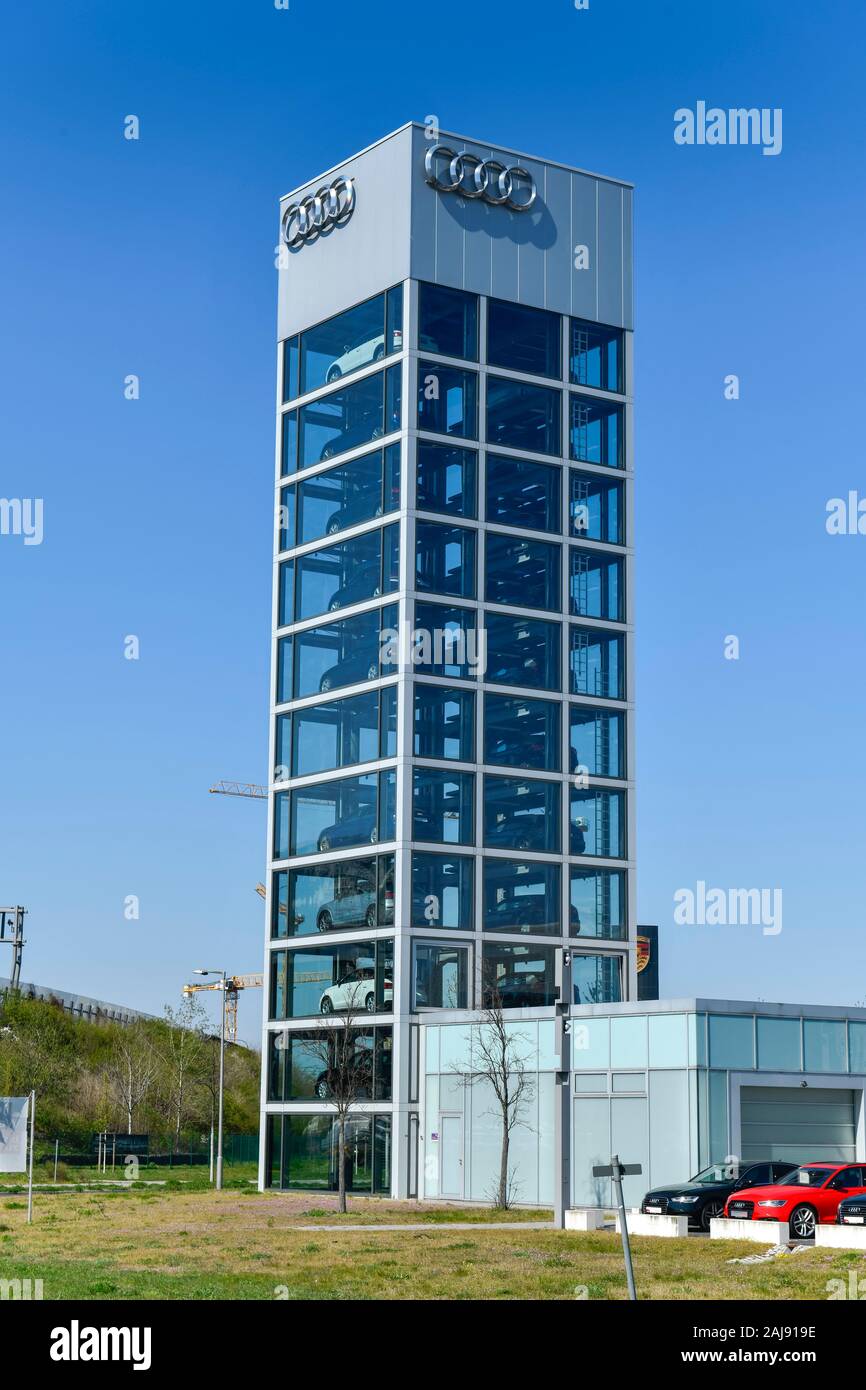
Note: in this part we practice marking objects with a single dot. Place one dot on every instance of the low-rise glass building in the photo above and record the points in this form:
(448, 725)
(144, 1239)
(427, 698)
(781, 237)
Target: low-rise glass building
(673, 1085)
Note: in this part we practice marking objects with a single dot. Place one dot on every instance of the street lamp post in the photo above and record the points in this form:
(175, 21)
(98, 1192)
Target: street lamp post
(219, 1158)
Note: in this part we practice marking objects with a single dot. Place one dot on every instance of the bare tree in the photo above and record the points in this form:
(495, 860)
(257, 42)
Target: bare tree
(346, 1077)
(132, 1069)
(181, 1048)
(497, 1061)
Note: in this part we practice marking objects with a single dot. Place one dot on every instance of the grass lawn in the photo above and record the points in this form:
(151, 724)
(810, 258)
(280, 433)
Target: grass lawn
(182, 1243)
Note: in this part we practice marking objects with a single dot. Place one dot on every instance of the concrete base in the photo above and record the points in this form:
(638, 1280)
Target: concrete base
(642, 1224)
(761, 1232)
(584, 1219)
(841, 1237)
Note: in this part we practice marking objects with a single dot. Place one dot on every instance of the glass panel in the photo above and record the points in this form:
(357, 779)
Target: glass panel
(447, 322)
(439, 976)
(444, 723)
(345, 344)
(280, 905)
(857, 1047)
(597, 824)
(447, 642)
(522, 572)
(521, 416)
(596, 663)
(597, 508)
(446, 478)
(345, 652)
(345, 496)
(597, 742)
(281, 825)
(342, 574)
(290, 369)
(598, 904)
(519, 977)
(522, 493)
(335, 815)
(388, 723)
(732, 1042)
(286, 593)
(521, 896)
(286, 519)
(521, 732)
(824, 1045)
(629, 1042)
(596, 585)
(522, 651)
(779, 1047)
(596, 431)
(336, 734)
(522, 339)
(597, 979)
(394, 319)
(445, 559)
(289, 443)
(596, 356)
(341, 896)
(442, 891)
(521, 813)
(285, 648)
(668, 1040)
(443, 806)
(447, 400)
(348, 978)
(307, 1066)
(342, 420)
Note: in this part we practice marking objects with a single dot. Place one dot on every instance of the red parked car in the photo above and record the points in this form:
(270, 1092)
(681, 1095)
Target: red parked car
(805, 1197)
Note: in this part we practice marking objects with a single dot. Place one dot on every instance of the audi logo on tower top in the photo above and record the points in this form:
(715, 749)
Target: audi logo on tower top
(508, 185)
(329, 207)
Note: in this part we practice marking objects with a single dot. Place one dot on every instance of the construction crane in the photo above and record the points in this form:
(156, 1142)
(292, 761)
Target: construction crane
(233, 985)
(249, 789)
(12, 933)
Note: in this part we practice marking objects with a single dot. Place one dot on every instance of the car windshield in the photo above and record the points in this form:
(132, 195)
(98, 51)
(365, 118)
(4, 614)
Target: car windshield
(718, 1172)
(805, 1177)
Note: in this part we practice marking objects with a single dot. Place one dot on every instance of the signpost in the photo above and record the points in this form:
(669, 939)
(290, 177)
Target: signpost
(562, 1105)
(618, 1171)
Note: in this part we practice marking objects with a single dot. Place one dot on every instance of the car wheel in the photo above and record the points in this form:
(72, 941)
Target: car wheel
(373, 672)
(323, 1090)
(326, 1007)
(379, 353)
(370, 1004)
(374, 837)
(325, 684)
(325, 921)
(334, 605)
(334, 373)
(333, 528)
(324, 844)
(370, 917)
(802, 1223)
(710, 1212)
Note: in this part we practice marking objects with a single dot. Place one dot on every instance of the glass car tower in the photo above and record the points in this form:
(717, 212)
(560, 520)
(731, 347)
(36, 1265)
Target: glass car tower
(452, 708)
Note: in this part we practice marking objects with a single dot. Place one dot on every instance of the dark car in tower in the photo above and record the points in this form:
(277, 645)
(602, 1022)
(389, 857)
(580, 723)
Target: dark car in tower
(704, 1196)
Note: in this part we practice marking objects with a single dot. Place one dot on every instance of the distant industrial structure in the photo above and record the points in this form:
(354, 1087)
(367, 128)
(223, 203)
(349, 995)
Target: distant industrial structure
(78, 1005)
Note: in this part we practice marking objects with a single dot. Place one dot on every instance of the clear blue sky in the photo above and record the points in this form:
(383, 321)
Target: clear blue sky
(156, 258)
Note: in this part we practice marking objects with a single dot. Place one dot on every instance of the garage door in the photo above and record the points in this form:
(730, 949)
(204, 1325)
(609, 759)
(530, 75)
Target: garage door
(796, 1123)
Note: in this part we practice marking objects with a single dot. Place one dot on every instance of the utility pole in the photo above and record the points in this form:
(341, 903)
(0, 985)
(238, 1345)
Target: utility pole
(12, 933)
(562, 1103)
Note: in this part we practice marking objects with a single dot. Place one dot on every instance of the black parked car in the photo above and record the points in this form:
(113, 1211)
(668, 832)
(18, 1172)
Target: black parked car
(703, 1197)
(350, 671)
(852, 1212)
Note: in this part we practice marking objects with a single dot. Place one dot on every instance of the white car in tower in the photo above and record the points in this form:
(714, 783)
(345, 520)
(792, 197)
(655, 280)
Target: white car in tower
(353, 358)
(356, 992)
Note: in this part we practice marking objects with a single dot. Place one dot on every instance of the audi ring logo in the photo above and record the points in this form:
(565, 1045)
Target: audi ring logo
(508, 185)
(328, 207)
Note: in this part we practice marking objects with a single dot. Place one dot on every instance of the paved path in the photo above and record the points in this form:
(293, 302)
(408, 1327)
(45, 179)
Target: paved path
(437, 1226)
